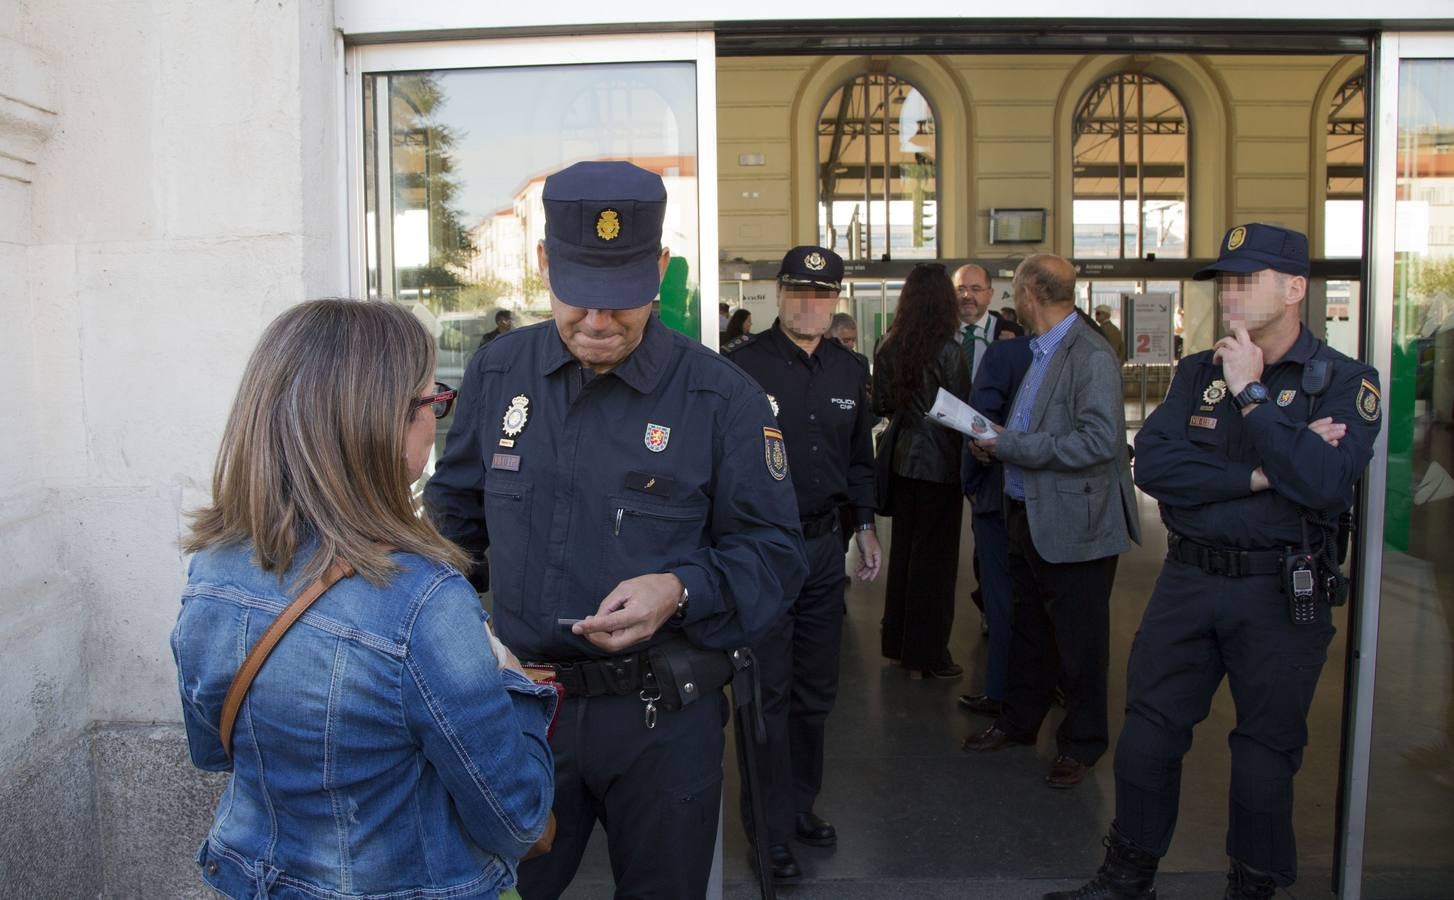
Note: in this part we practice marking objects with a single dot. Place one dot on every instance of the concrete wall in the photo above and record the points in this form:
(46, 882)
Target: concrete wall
(169, 181)
(1004, 140)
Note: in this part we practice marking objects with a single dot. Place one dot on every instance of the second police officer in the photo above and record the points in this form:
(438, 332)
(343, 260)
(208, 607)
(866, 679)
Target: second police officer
(632, 487)
(1253, 456)
(817, 390)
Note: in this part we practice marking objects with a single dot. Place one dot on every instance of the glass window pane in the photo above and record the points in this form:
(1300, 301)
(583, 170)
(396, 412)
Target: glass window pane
(1121, 207)
(1411, 778)
(455, 162)
(870, 119)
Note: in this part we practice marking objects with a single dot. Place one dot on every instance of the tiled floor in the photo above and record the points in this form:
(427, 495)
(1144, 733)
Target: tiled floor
(918, 818)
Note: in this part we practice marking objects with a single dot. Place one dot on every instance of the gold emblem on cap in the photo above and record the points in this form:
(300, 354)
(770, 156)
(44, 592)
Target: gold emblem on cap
(1236, 237)
(608, 225)
(815, 261)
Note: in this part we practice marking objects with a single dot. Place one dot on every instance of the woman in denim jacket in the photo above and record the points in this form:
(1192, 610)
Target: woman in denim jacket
(389, 746)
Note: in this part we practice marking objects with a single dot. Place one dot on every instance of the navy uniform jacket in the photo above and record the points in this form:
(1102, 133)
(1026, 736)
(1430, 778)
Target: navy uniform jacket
(670, 462)
(992, 392)
(822, 407)
(1196, 452)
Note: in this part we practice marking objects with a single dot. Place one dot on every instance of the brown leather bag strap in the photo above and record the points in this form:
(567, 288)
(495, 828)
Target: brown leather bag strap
(259, 652)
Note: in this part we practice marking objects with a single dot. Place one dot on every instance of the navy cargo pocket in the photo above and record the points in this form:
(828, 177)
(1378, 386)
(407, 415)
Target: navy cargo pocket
(644, 536)
(507, 518)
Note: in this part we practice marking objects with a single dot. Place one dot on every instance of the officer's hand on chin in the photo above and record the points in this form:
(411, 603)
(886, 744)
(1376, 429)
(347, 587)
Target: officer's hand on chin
(632, 612)
(1240, 358)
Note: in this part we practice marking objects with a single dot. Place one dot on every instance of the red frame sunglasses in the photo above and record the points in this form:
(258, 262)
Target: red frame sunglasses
(440, 402)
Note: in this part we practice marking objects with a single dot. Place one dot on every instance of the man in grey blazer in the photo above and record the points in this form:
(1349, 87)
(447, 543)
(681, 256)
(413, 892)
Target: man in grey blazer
(1070, 509)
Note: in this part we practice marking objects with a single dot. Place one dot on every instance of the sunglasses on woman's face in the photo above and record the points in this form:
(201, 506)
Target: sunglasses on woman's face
(440, 402)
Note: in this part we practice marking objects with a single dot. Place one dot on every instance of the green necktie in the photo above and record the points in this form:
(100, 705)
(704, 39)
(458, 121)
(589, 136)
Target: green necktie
(970, 338)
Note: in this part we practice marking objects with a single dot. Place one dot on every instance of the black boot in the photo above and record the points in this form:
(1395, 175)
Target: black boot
(1247, 883)
(1126, 874)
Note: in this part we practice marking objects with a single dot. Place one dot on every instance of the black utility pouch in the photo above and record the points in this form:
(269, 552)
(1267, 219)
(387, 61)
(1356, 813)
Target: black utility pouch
(685, 673)
(1300, 583)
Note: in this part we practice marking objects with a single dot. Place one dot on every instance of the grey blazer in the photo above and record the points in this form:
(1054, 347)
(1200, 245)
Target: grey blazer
(1078, 490)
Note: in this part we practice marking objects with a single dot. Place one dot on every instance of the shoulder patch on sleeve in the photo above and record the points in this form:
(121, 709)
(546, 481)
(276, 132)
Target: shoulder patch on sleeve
(1368, 401)
(775, 453)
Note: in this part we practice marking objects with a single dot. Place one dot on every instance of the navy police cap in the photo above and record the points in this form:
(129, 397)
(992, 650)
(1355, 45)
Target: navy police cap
(1254, 247)
(809, 266)
(603, 234)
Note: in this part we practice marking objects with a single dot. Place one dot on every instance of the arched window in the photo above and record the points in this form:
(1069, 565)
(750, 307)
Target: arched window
(1129, 189)
(1343, 200)
(877, 182)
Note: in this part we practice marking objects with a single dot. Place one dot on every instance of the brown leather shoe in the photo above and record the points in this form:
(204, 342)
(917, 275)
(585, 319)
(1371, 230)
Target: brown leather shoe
(992, 739)
(1066, 773)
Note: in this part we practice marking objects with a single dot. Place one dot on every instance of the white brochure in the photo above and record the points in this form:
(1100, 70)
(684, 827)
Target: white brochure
(952, 412)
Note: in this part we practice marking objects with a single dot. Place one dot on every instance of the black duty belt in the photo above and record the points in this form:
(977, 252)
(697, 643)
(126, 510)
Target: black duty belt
(673, 672)
(817, 526)
(1223, 560)
(615, 675)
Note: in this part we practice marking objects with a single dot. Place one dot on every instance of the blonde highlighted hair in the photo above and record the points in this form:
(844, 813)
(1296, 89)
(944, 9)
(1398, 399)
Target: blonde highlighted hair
(314, 446)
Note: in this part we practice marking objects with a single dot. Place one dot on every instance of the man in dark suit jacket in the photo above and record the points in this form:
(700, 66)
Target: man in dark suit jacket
(978, 327)
(1000, 373)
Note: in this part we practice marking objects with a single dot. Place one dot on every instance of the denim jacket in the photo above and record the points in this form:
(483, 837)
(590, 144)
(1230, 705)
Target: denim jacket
(380, 752)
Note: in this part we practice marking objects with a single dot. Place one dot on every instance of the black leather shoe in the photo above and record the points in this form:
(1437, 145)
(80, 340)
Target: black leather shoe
(815, 832)
(784, 864)
(981, 704)
(992, 739)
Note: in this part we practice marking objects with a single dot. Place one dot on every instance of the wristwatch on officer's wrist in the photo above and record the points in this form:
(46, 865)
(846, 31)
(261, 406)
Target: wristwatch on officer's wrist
(866, 526)
(680, 615)
(1255, 392)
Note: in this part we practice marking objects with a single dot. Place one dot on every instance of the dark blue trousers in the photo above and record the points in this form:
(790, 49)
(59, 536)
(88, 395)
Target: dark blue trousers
(656, 791)
(992, 549)
(1197, 629)
(798, 665)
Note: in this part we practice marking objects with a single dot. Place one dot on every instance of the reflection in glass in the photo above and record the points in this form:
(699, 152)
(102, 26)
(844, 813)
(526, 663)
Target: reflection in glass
(454, 165)
(1411, 782)
(877, 180)
(1129, 170)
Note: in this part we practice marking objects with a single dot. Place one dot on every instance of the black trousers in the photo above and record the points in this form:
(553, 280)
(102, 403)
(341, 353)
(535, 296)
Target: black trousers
(1060, 631)
(1197, 629)
(923, 565)
(798, 666)
(656, 791)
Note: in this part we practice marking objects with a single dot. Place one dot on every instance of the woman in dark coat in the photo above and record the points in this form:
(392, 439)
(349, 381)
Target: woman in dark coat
(918, 356)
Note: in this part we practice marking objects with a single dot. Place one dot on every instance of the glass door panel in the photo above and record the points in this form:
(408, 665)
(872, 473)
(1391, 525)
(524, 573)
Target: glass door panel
(455, 143)
(1410, 805)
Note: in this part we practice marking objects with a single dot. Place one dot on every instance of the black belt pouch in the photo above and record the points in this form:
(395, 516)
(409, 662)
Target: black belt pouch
(685, 673)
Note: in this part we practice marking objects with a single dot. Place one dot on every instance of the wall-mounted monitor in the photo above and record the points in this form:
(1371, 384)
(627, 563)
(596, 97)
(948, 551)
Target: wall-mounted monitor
(1017, 226)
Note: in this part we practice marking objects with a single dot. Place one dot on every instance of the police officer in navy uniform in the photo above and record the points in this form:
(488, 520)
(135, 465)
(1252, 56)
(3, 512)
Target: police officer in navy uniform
(1253, 456)
(817, 389)
(633, 489)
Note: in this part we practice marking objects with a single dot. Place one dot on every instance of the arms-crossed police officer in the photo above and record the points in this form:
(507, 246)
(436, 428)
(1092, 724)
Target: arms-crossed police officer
(634, 480)
(817, 389)
(1253, 455)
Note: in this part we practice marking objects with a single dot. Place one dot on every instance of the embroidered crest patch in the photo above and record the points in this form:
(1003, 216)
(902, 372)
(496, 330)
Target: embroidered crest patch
(775, 453)
(1214, 392)
(815, 261)
(1368, 401)
(656, 437)
(1285, 397)
(772, 401)
(1236, 237)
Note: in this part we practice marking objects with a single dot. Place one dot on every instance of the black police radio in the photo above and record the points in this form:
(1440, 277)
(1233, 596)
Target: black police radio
(1299, 576)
